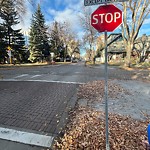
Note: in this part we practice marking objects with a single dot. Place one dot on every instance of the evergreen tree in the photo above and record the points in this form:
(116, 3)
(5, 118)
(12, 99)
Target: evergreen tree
(3, 53)
(19, 46)
(55, 41)
(13, 38)
(38, 39)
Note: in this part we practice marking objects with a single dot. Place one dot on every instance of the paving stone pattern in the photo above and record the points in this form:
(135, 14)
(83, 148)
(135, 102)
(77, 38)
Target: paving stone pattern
(34, 105)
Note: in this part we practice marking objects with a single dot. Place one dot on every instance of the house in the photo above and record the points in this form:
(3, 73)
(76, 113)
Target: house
(116, 48)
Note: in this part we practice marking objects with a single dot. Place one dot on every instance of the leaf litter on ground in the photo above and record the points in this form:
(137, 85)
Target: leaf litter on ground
(86, 127)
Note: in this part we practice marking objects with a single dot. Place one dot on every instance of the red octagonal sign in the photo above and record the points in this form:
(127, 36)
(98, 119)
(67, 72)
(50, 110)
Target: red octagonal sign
(106, 18)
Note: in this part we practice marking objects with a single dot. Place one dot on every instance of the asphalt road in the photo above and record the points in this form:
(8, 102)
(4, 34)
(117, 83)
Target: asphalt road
(61, 73)
(37, 99)
(76, 73)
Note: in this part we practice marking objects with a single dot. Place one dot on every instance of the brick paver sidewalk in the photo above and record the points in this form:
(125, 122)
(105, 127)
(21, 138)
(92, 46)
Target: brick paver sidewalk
(34, 105)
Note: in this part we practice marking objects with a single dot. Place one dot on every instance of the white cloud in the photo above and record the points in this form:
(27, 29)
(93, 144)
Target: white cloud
(147, 21)
(25, 20)
(70, 14)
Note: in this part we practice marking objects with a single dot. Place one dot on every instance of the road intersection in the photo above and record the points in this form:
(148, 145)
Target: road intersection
(36, 100)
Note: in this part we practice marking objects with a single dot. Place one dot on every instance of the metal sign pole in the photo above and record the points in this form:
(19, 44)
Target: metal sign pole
(103, 25)
(10, 57)
(106, 94)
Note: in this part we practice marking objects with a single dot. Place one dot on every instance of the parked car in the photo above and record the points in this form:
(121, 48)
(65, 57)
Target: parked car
(68, 59)
(74, 60)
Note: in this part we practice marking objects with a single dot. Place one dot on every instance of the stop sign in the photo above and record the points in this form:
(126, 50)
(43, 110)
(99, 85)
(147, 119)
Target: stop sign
(106, 18)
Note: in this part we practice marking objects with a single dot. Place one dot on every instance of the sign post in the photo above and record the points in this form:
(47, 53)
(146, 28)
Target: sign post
(9, 54)
(106, 19)
(106, 94)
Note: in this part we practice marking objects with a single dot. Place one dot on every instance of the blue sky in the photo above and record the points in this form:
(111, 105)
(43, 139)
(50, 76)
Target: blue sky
(58, 10)
(64, 10)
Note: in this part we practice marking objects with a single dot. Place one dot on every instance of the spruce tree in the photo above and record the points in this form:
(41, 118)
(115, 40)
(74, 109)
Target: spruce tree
(19, 46)
(38, 39)
(55, 39)
(3, 52)
(13, 38)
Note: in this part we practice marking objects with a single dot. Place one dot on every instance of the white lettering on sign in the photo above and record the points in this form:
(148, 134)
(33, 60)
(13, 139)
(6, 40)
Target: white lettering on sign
(111, 18)
(102, 16)
(117, 15)
(96, 20)
(108, 17)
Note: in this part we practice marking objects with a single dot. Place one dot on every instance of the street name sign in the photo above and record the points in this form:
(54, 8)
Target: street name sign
(106, 18)
(97, 2)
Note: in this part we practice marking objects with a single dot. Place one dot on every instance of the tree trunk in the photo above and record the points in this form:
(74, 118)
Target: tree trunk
(129, 48)
(143, 56)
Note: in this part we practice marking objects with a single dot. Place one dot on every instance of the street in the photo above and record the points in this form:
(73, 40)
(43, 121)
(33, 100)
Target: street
(75, 73)
(37, 99)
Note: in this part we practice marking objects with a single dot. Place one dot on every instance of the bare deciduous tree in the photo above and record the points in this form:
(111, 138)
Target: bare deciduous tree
(63, 37)
(90, 34)
(99, 45)
(142, 46)
(69, 39)
(139, 10)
